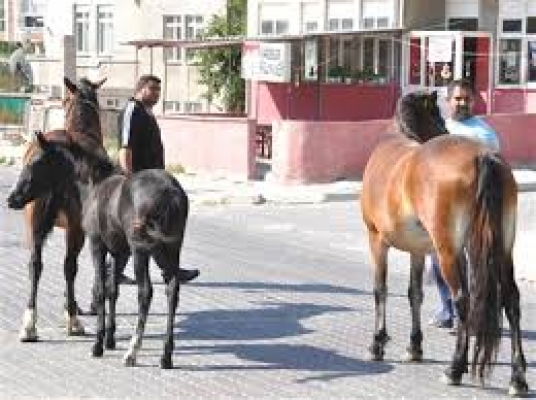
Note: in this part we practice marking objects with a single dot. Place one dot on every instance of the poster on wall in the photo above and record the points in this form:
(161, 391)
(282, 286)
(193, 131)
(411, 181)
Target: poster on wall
(268, 62)
(310, 60)
(439, 49)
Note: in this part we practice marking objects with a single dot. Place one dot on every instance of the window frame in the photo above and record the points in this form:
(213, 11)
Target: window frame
(85, 21)
(106, 21)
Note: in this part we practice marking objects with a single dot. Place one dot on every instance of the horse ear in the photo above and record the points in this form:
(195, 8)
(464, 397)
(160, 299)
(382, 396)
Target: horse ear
(70, 86)
(433, 96)
(99, 83)
(41, 140)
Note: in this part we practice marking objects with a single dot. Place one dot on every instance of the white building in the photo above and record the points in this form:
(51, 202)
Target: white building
(101, 28)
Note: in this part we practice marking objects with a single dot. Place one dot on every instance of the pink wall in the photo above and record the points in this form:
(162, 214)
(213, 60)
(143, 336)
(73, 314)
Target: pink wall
(514, 101)
(210, 144)
(328, 102)
(314, 152)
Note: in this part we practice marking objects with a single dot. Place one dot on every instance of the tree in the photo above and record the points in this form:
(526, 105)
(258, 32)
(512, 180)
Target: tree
(220, 68)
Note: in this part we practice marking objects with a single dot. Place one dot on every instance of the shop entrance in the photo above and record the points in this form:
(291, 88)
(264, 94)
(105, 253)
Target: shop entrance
(434, 58)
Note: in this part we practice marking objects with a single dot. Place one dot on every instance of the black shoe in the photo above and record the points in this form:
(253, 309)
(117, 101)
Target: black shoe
(125, 280)
(186, 275)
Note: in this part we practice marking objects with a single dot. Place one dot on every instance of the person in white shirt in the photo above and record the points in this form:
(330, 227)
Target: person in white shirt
(461, 121)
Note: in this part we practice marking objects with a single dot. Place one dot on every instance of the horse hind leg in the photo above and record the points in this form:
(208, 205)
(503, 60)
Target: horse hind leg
(145, 294)
(379, 255)
(75, 241)
(416, 296)
(518, 381)
(454, 271)
(112, 293)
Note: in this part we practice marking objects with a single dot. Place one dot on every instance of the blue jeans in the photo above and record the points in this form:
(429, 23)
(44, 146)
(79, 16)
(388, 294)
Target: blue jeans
(446, 310)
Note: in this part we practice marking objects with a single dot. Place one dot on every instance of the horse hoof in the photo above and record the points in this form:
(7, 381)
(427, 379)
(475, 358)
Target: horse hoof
(413, 355)
(166, 363)
(97, 351)
(28, 335)
(376, 356)
(129, 360)
(518, 389)
(110, 344)
(450, 380)
(74, 327)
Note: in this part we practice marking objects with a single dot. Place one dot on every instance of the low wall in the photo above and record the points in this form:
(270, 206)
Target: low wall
(316, 152)
(210, 144)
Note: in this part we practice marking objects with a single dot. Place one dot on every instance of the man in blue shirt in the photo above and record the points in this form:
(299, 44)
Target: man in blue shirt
(461, 121)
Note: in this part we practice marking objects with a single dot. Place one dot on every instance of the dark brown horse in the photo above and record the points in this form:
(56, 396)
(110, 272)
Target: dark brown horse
(63, 207)
(424, 191)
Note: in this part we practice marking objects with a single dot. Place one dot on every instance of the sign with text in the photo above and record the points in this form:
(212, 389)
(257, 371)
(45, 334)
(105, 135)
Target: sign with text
(269, 62)
(439, 49)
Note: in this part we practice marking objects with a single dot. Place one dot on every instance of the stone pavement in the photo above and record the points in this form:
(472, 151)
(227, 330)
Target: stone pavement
(283, 309)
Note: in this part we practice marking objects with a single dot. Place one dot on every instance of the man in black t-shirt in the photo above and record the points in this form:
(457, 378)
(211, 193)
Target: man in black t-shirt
(140, 144)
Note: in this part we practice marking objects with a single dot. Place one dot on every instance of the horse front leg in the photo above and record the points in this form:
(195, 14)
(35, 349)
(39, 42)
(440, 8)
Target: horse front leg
(415, 296)
(98, 256)
(145, 294)
(75, 241)
(518, 381)
(379, 255)
(28, 331)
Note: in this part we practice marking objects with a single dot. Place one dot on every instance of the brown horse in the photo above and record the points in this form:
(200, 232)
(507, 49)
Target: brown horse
(62, 208)
(424, 191)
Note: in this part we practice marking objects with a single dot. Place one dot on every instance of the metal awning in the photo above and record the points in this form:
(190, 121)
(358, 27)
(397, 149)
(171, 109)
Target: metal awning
(238, 40)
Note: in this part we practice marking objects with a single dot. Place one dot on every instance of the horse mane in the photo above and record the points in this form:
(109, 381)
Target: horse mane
(82, 119)
(417, 116)
(92, 164)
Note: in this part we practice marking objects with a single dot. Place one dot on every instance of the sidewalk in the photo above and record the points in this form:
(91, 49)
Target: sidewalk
(213, 190)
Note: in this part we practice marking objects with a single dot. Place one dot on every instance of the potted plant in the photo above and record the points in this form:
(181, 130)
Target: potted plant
(335, 74)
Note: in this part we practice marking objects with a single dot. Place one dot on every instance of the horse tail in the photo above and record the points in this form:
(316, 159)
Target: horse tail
(166, 219)
(486, 257)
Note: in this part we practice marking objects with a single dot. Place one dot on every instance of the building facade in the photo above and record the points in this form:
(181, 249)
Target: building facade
(99, 31)
(352, 59)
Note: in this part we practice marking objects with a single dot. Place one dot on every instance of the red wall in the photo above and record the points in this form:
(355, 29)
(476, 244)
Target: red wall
(210, 144)
(329, 102)
(314, 152)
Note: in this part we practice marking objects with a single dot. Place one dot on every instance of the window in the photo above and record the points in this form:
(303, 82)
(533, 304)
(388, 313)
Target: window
(192, 107)
(510, 61)
(82, 28)
(463, 24)
(531, 62)
(512, 25)
(172, 106)
(173, 30)
(310, 17)
(193, 30)
(2, 17)
(311, 26)
(274, 27)
(531, 25)
(105, 29)
(377, 14)
(31, 13)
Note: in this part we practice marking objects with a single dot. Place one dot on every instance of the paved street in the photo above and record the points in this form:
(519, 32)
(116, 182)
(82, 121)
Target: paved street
(283, 309)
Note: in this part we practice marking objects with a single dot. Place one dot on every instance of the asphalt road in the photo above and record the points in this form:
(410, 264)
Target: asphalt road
(282, 309)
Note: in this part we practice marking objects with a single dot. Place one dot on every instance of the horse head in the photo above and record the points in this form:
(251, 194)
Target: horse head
(47, 169)
(82, 111)
(54, 165)
(418, 116)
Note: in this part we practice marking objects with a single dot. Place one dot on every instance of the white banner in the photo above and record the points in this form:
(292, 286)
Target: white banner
(268, 62)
